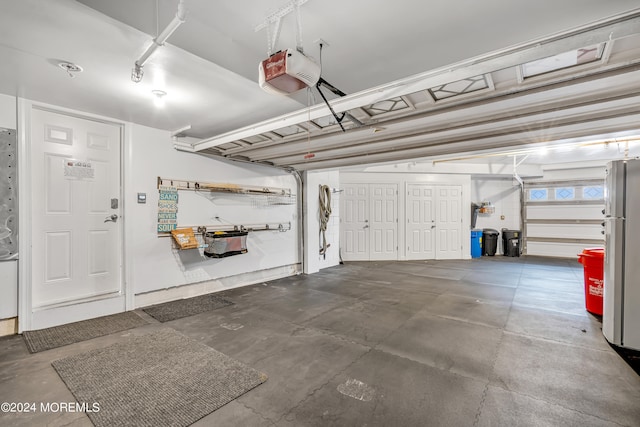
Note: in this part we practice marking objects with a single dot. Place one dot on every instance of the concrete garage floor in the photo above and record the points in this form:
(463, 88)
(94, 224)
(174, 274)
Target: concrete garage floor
(486, 342)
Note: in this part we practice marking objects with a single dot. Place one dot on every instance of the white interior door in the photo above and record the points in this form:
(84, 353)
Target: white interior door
(354, 222)
(369, 222)
(448, 222)
(434, 221)
(421, 223)
(77, 230)
(383, 214)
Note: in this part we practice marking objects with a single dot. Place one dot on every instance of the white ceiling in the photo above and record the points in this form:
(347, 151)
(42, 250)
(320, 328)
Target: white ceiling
(209, 69)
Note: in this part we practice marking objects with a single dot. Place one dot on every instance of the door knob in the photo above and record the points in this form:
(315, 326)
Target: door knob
(366, 226)
(111, 218)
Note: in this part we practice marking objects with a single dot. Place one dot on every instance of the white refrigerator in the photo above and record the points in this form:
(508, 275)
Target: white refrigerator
(621, 311)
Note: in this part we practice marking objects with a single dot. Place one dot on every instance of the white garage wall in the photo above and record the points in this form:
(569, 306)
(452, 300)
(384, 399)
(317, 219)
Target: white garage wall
(152, 263)
(8, 269)
(504, 195)
(8, 112)
(315, 262)
(571, 171)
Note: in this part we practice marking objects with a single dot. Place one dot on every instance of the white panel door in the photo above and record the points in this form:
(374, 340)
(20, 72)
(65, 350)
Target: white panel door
(449, 222)
(369, 222)
(76, 208)
(355, 222)
(421, 223)
(434, 221)
(383, 214)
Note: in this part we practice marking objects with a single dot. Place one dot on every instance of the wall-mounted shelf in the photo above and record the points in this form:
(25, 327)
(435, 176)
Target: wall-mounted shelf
(223, 187)
(199, 241)
(282, 226)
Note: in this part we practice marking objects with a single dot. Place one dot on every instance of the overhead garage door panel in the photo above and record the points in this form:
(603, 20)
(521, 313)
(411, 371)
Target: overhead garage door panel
(562, 218)
(559, 250)
(555, 212)
(565, 231)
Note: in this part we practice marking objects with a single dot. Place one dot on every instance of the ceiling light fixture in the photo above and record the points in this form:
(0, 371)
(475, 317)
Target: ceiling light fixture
(158, 99)
(70, 68)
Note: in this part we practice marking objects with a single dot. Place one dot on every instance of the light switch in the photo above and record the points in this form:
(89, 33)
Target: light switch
(142, 197)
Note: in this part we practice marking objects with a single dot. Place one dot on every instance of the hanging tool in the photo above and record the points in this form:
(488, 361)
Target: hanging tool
(325, 214)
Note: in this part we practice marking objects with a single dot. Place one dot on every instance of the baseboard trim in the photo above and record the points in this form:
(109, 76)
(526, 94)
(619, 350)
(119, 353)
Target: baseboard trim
(8, 326)
(209, 286)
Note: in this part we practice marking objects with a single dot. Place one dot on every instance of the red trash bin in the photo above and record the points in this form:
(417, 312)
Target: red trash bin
(593, 261)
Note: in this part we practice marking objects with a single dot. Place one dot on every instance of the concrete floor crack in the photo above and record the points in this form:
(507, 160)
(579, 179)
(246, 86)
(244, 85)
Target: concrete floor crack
(557, 341)
(481, 406)
(321, 331)
(493, 370)
(258, 413)
(547, 402)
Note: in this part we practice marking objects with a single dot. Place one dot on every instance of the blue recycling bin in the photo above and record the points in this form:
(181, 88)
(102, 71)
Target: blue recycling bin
(476, 243)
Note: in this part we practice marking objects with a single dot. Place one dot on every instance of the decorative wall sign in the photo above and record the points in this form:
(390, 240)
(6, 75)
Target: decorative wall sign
(167, 208)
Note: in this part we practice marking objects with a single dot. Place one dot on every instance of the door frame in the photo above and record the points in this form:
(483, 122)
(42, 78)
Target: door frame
(25, 186)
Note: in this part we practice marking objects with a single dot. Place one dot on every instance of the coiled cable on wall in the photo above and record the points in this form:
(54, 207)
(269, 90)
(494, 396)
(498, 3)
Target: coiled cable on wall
(325, 214)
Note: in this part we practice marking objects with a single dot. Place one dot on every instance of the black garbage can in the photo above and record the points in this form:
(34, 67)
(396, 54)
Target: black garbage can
(489, 241)
(511, 242)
